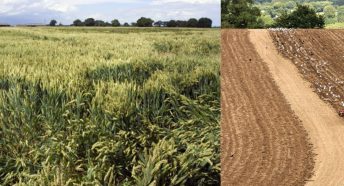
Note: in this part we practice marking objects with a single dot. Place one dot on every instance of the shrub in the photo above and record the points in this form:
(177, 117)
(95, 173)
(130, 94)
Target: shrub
(302, 17)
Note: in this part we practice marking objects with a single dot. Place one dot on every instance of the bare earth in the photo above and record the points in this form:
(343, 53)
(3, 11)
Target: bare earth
(319, 56)
(263, 141)
(324, 126)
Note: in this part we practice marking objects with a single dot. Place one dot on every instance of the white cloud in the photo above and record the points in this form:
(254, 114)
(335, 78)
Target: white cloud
(4, 8)
(12, 6)
(66, 11)
(159, 2)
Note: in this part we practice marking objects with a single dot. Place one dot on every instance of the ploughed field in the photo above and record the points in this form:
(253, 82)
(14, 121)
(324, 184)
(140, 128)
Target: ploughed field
(263, 142)
(276, 125)
(319, 56)
(109, 106)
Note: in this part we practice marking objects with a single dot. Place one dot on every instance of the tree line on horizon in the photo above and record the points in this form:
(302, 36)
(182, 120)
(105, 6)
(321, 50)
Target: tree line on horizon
(143, 22)
(280, 13)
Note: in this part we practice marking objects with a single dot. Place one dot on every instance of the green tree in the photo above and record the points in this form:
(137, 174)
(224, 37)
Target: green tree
(53, 22)
(263, 1)
(224, 7)
(267, 20)
(340, 15)
(302, 17)
(90, 22)
(77, 23)
(241, 14)
(205, 22)
(115, 23)
(144, 22)
(171, 23)
(192, 22)
(320, 5)
(330, 14)
(181, 23)
(311, 6)
(290, 4)
(99, 23)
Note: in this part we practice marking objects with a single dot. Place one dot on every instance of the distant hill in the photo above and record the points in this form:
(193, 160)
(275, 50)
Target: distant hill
(335, 2)
(332, 10)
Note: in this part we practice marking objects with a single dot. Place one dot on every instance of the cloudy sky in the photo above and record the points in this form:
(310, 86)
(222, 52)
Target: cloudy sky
(65, 11)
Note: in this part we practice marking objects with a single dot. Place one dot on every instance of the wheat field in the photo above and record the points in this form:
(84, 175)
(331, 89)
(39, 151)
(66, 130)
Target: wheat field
(109, 106)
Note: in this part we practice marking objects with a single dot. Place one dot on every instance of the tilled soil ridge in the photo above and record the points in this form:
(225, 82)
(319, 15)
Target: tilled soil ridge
(324, 126)
(319, 56)
(262, 141)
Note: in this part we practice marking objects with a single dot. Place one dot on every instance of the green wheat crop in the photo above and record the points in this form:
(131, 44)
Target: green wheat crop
(109, 106)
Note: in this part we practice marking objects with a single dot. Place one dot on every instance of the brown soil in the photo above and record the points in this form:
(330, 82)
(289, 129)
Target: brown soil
(319, 56)
(263, 142)
(324, 126)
